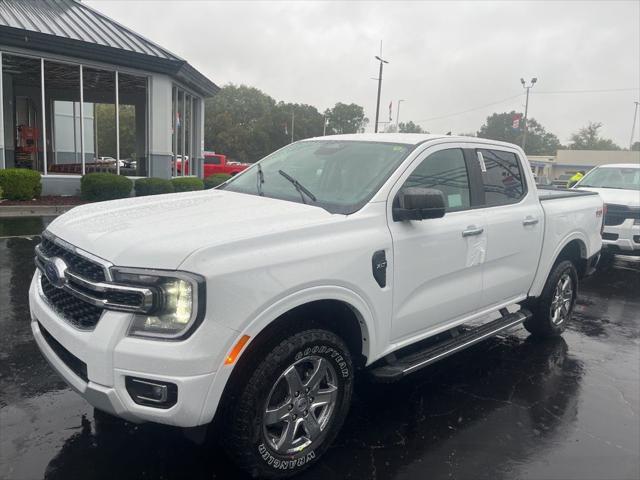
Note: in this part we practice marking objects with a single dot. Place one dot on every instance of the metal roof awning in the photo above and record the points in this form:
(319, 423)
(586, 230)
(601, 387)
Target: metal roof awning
(70, 28)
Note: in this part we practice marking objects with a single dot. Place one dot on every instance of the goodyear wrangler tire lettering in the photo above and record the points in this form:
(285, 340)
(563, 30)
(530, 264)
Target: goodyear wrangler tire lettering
(253, 441)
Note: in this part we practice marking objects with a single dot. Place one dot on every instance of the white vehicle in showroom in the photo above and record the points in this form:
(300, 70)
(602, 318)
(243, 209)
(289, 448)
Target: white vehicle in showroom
(255, 304)
(619, 186)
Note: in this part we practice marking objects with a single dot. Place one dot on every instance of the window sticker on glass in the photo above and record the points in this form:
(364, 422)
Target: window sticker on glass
(454, 200)
(483, 166)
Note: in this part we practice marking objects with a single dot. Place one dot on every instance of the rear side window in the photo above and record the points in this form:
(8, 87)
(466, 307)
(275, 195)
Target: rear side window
(502, 177)
(445, 170)
(212, 160)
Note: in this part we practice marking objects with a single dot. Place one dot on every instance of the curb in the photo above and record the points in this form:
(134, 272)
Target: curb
(33, 210)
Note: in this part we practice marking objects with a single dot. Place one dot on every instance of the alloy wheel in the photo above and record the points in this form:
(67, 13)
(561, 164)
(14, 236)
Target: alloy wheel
(562, 300)
(300, 405)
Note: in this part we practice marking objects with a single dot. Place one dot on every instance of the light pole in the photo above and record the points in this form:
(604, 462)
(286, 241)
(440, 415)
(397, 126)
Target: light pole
(633, 126)
(382, 61)
(526, 108)
(398, 114)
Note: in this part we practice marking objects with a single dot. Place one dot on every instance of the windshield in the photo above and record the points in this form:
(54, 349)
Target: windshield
(339, 176)
(612, 177)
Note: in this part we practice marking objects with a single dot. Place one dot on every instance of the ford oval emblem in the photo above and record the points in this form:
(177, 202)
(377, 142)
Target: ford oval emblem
(55, 270)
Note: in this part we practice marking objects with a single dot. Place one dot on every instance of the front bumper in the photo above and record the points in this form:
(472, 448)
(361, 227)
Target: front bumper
(109, 356)
(624, 237)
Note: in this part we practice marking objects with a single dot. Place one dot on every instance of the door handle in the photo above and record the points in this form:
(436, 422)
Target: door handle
(471, 231)
(529, 221)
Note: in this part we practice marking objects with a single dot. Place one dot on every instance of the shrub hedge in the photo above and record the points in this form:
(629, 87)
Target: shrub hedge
(20, 183)
(187, 184)
(96, 187)
(153, 186)
(216, 179)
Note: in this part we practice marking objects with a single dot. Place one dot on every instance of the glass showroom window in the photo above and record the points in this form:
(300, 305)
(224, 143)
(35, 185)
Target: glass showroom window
(22, 112)
(184, 108)
(93, 120)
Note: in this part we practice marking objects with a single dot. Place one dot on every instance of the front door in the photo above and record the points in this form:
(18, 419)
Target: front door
(437, 263)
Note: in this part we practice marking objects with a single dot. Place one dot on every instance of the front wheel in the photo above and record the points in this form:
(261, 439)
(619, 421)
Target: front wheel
(553, 309)
(293, 405)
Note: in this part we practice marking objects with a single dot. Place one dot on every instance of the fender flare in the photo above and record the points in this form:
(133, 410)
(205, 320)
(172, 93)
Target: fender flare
(253, 329)
(544, 270)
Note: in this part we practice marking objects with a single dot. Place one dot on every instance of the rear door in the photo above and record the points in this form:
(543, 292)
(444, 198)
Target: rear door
(514, 225)
(437, 263)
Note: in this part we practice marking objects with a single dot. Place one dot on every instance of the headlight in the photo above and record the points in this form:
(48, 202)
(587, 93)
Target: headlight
(178, 301)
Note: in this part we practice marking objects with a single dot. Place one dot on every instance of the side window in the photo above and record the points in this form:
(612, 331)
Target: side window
(445, 170)
(212, 161)
(503, 179)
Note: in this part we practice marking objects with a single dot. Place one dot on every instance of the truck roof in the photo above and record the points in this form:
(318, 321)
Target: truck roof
(620, 165)
(406, 138)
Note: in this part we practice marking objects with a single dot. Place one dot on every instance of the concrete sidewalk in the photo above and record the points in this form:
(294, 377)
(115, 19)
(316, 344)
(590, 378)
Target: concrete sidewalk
(33, 210)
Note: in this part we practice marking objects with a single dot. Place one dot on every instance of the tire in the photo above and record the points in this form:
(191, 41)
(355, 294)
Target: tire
(552, 310)
(313, 363)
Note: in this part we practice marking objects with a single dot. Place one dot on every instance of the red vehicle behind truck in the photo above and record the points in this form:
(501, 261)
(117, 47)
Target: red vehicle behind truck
(215, 163)
(218, 163)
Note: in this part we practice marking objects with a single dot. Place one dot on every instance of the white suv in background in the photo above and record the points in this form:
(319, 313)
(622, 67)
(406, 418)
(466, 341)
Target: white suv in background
(619, 187)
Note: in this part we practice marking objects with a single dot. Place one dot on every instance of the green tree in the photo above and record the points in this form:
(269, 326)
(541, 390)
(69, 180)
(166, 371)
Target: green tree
(308, 122)
(635, 147)
(499, 126)
(410, 127)
(240, 121)
(588, 138)
(343, 118)
(105, 127)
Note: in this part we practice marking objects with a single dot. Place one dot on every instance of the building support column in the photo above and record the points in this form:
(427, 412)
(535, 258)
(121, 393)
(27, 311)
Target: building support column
(43, 116)
(117, 126)
(82, 119)
(2, 161)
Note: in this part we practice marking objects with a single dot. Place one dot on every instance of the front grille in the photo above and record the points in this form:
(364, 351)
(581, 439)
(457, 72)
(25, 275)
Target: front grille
(77, 264)
(609, 236)
(617, 214)
(76, 365)
(77, 312)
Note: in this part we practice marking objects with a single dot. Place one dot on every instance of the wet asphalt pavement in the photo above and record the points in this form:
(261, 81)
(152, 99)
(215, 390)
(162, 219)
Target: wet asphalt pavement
(508, 408)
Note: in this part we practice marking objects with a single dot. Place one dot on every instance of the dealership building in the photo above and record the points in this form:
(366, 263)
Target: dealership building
(568, 162)
(81, 93)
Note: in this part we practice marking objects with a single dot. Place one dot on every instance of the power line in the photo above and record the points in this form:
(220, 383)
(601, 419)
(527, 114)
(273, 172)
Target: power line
(471, 109)
(543, 92)
(604, 90)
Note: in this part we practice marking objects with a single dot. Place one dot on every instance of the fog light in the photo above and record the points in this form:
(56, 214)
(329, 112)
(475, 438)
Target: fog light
(152, 393)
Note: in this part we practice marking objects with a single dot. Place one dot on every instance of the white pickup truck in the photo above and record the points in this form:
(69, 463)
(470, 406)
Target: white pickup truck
(252, 306)
(619, 186)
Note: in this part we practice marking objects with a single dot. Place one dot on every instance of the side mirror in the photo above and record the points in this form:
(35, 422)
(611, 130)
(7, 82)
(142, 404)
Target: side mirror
(417, 203)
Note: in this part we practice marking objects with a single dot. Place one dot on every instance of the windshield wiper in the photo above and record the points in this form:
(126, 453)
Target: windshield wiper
(260, 179)
(302, 190)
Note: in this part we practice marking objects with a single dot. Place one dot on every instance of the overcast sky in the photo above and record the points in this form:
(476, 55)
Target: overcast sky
(445, 57)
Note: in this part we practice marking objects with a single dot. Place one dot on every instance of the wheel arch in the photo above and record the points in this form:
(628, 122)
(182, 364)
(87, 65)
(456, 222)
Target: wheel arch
(573, 248)
(337, 309)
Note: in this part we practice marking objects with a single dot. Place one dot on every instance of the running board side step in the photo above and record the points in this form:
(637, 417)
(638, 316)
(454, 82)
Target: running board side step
(418, 360)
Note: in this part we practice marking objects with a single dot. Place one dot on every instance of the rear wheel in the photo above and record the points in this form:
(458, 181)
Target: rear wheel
(553, 309)
(293, 405)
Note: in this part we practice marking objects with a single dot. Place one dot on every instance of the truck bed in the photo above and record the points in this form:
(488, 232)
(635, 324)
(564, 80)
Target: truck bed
(554, 193)
(572, 215)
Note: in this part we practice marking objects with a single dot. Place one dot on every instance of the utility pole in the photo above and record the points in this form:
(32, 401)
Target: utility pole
(324, 128)
(633, 127)
(526, 109)
(398, 114)
(293, 123)
(382, 61)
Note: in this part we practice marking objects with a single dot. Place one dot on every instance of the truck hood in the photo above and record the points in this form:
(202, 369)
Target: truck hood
(161, 231)
(616, 196)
